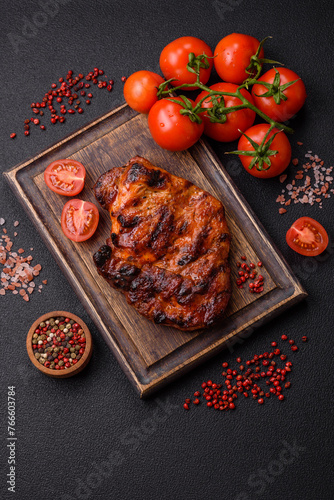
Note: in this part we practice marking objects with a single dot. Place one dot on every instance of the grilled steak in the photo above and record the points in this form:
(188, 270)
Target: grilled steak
(168, 248)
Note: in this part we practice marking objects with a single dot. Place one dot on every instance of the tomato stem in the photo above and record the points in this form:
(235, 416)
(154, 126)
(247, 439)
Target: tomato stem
(223, 111)
(261, 152)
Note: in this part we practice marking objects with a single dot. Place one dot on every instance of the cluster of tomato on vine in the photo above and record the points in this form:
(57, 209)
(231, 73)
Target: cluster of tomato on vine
(225, 111)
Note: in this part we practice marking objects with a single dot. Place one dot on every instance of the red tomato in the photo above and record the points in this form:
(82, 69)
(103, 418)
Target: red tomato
(79, 219)
(295, 93)
(66, 177)
(242, 119)
(307, 237)
(170, 129)
(140, 90)
(175, 57)
(279, 161)
(232, 56)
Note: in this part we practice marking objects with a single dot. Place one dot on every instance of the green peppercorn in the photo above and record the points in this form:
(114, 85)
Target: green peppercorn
(70, 334)
(35, 336)
(52, 365)
(72, 321)
(42, 325)
(58, 339)
(60, 362)
(77, 347)
(56, 349)
(72, 349)
(41, 360)
(73, 355)
(37, 355)
(61, 327)
(68, 325)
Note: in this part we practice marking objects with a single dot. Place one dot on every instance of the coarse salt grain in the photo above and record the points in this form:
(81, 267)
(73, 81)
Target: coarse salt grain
(315, 185)
(16, 271)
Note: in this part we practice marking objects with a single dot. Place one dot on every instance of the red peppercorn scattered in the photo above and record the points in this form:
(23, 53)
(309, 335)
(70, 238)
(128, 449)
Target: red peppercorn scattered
(123, 79)
(248, 382)
(66, 88)
(246, 273)
(304, 339)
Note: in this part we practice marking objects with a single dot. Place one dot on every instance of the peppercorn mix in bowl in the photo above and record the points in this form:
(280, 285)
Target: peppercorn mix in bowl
(59, 344)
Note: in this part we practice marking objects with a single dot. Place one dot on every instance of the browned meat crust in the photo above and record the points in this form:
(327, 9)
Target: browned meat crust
(169, 245)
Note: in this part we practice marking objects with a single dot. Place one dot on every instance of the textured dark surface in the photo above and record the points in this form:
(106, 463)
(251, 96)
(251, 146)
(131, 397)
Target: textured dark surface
(71, 432)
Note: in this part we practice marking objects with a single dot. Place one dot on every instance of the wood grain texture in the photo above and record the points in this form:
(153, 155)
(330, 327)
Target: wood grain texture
(150, 354)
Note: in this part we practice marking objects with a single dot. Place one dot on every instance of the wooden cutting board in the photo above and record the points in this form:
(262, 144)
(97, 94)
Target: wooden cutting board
(150, 354)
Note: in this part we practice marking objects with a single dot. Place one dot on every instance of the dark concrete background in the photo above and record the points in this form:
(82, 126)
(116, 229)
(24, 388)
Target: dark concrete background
(91, 436)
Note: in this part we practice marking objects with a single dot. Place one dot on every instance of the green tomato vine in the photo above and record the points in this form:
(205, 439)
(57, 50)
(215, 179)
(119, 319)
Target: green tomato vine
(219, 111)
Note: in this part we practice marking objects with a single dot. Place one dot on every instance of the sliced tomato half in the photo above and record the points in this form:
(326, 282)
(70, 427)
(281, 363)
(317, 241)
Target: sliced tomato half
(66, 177)
(79, 219)
(307, 237)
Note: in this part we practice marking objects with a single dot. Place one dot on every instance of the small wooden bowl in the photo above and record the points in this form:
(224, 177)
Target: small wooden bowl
(80, 365)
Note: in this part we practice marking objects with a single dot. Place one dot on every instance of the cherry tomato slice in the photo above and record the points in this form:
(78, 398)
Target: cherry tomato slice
(66, 177)
(79, 220)
(307, 237)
